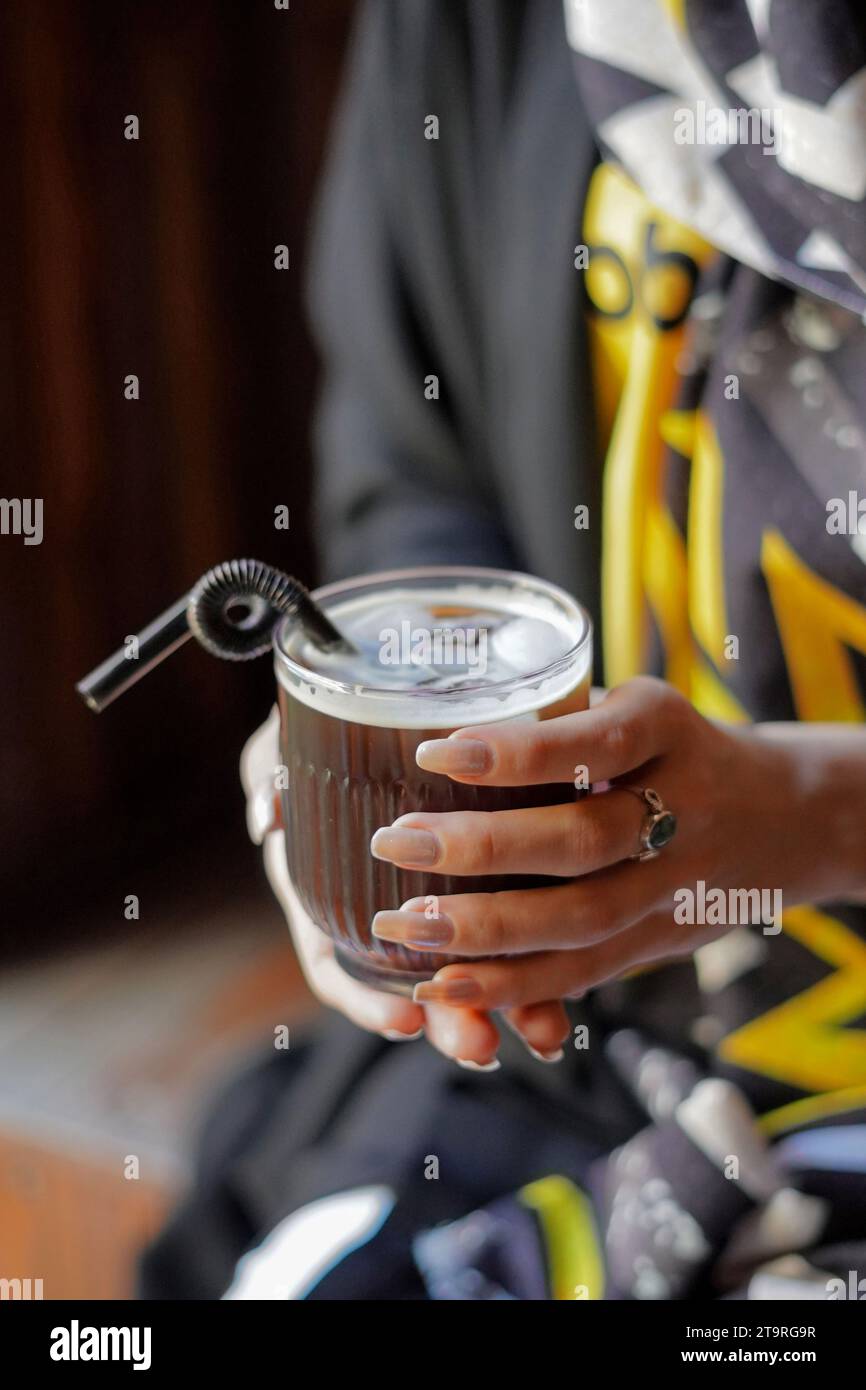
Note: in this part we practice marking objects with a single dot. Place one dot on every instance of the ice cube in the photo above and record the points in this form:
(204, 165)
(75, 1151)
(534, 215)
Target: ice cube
(366, 626)
(527, 644)
(383, 637)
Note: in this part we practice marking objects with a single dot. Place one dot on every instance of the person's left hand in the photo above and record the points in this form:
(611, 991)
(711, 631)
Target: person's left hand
(741, 824)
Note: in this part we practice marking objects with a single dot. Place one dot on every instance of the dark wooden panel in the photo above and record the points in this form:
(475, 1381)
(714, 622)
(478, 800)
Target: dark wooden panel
(153, 257)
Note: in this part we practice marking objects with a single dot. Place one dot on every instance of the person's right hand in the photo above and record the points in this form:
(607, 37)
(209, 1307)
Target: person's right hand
(468, 1036)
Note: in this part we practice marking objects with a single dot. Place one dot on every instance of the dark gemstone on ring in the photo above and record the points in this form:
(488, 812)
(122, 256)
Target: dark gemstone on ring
(662, 831)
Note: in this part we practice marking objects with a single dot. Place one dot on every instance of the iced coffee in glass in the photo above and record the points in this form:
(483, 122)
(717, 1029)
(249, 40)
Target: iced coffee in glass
(438, 649)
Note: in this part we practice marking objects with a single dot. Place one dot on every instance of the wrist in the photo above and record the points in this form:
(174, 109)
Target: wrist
(822, 778)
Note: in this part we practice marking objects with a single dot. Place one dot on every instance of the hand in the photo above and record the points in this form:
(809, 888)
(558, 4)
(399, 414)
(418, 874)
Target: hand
(464, 1034)
(757, 807)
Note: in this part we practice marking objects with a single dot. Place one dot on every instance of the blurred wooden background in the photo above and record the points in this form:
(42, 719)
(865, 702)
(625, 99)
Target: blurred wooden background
(153, 257)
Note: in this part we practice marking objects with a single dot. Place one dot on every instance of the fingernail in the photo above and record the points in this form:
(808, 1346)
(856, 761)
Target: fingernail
(394, 1036)
(458, 991)
(478, 1066)
(413, 929)
(556, 1056)
(405, 846)
(467, 756)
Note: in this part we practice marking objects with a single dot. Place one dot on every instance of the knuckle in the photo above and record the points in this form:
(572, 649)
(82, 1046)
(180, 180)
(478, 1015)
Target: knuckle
(676, 710)
(584, 839)
(526, 753)
(666, 703)
(618, 743)
(481, 851)
(493, 928)
(650, 687)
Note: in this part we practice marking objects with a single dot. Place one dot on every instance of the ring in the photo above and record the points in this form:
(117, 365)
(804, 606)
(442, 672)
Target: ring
(659, 826)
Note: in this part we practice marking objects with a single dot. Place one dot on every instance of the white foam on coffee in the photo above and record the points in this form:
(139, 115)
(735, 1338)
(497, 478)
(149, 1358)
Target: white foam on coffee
(439, 709)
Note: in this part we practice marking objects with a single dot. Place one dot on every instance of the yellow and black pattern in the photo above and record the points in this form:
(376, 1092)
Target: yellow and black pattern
(732, 410)
(742, 119)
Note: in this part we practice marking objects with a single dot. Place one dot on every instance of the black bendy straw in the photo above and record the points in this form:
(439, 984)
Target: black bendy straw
(232, 611)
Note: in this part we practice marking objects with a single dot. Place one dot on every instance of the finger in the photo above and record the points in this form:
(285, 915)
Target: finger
(370, 1009)
(577, 838)
(633, 723)
(392, 1015)
(264, 811)
(543, 1028)
(464, 1035)
(512, 984)
(261, 752)
(259, 759)
(524, 920)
